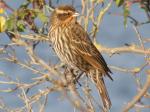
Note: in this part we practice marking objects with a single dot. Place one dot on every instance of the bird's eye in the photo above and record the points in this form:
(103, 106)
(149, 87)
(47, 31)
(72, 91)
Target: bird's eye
(68, 13)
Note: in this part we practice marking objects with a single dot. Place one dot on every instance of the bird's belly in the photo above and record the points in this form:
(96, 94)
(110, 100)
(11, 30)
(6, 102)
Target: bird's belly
(65, 56)
(74, 61)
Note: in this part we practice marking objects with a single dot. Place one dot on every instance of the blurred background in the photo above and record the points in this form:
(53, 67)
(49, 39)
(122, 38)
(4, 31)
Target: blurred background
(112, 34)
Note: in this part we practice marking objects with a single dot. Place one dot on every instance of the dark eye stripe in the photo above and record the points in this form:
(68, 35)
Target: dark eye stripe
(65, 12)
(63, 16)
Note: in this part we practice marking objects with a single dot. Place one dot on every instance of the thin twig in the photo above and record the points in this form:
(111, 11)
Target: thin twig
(141, 93)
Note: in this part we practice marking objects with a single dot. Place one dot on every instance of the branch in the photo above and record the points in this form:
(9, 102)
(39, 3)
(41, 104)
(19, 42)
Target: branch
(124, 49)
(141, 93)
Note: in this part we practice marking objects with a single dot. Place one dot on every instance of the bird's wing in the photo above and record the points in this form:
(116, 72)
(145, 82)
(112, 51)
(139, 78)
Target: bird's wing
(84, 47)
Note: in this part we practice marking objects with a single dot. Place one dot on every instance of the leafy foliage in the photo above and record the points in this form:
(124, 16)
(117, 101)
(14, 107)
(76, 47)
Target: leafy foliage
(119, 2)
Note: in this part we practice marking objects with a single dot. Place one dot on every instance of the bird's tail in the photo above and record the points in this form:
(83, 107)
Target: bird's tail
(100, 84)
(103, 93)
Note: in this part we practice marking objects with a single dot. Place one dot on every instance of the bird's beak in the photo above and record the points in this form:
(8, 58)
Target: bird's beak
(76, 14)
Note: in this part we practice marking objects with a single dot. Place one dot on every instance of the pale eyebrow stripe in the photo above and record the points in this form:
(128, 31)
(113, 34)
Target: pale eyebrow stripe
(62, 11)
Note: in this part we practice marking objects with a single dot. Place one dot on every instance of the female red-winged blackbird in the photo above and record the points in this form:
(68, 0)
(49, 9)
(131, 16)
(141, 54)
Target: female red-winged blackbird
(74, 47)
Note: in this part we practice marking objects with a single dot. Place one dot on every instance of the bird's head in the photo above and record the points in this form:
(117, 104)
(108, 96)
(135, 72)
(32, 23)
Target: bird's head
(64, 14)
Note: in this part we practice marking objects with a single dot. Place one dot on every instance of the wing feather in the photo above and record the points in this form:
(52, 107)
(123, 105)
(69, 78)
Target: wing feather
(85, 48)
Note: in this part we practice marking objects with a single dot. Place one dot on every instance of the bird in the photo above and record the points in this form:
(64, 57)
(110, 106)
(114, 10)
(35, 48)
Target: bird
(74, 47)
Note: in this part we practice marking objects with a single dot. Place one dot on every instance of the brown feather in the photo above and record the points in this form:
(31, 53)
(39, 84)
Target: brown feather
(103, 93)
(86, 49)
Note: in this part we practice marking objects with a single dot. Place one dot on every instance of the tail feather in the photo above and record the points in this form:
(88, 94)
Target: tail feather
(97, 78)
(103, 93)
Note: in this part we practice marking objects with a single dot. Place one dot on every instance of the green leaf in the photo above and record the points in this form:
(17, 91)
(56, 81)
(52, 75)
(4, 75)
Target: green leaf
(2, 73)
(30, 1)
(2, 23)
(26, 13)
(25, 4)
(22, 14)
(126, 14)
(20, 26)
(119, 2)
(42, 17)
(10, 23)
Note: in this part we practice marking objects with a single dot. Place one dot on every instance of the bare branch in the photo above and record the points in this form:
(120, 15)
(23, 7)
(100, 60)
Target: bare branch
(138, 96)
